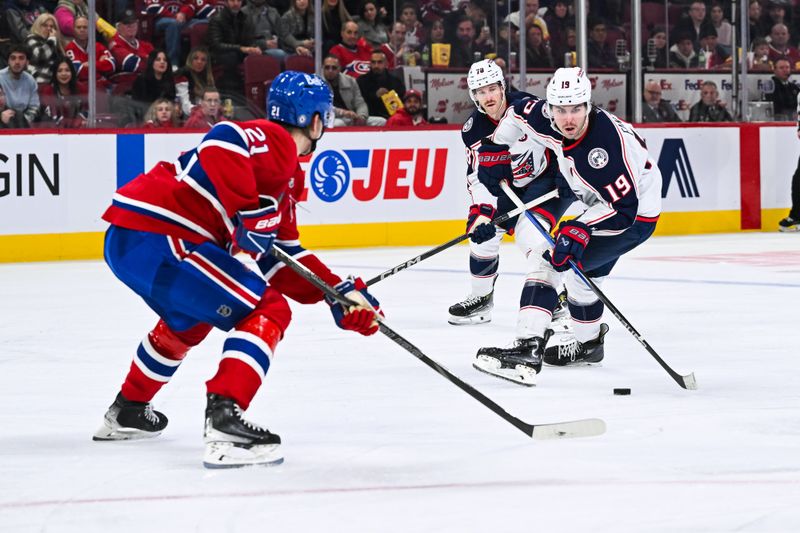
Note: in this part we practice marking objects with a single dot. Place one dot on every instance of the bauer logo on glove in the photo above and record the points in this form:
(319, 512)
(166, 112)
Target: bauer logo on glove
(362, 317)
(571, 241)
(494, 166)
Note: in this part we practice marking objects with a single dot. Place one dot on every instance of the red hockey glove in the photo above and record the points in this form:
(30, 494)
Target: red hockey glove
(360, 317)
(571, 241)
(494, 166)
(479, 223)
(256, 229)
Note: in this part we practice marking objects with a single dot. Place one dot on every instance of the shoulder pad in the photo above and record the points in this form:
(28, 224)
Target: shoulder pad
(476, 128)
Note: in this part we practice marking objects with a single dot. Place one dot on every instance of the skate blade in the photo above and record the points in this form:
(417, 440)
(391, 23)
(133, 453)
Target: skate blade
(469, 320)
(233, 455)
(106, 433)
(790, 229)
(520, 374)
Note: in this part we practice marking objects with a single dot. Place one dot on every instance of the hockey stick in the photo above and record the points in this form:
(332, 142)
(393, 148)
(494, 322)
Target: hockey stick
(589, 427)
(687, 382)
(442, 247)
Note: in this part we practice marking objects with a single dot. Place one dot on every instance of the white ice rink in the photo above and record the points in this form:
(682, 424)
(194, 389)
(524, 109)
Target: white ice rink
(377, 442)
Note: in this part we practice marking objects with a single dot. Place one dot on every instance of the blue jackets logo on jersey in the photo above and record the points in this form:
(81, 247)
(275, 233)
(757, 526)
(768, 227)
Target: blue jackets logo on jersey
(674, 161)
(330, 176)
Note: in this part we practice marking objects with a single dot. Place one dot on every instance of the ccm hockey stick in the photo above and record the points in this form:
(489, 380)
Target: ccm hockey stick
(687, 382)
(577, 428)
(442, 247)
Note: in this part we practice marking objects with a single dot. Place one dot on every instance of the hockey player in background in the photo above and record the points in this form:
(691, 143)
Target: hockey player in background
(173, 236)
(607, 166)
(534, 174)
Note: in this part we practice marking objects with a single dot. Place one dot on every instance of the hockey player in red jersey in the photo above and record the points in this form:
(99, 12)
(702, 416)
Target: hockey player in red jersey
(174, 232)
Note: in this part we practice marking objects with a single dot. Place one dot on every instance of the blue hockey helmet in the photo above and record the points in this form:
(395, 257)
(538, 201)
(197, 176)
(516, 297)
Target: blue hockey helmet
(294, 98)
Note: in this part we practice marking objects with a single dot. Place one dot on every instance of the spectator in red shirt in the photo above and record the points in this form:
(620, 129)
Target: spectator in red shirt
(411, 114)
(779, 45)
(353, 52)
(77, 53)
(64, 100)
(208, 113)
(130, 54)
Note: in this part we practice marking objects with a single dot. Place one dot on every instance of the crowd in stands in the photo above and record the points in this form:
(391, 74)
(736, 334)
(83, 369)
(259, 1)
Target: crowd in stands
(193, 54)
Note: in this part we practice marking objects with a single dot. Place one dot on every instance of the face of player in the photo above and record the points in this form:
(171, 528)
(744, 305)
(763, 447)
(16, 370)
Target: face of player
(63, 74)
(570, 119)
(492, 100)
(210, 104)
(199, 62)
(160, 63)
(81, 29)
(164, 113)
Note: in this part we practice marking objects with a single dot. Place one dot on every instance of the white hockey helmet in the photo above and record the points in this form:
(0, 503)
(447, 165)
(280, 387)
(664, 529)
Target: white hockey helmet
(569, 86)
(482, 73)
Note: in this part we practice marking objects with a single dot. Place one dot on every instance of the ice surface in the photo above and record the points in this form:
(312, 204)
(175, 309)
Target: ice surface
(375, 441)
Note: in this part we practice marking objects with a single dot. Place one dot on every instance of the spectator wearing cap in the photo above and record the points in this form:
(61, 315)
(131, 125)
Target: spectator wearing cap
(710, 108)
(598, 50)
(682, 54)
(656, 109)
(349, 107)
(129, 52)
(377, 82)
(692, 25)
(779, 45)
(716, 56)
(19, 86)
(411, 114)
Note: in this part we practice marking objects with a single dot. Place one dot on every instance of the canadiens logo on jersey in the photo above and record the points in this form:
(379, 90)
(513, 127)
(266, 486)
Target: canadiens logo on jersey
(598, 158)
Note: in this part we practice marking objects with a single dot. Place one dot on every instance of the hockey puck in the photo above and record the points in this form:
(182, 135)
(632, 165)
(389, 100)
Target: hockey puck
(622, 392)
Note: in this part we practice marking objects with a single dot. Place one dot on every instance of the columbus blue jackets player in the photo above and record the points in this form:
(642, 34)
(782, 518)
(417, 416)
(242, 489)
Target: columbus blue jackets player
(173, 236)
(607, 166)
(535, 174)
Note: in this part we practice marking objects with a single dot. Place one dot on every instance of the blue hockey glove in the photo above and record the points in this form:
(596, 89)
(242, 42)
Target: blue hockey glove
(571, 241)
(256, 229)
(479, 223)
(494, 166)
(360, 317)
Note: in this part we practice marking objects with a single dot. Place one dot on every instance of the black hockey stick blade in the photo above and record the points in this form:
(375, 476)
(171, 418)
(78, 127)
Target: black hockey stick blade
(688, 382)
(564, 430)
(452, 242)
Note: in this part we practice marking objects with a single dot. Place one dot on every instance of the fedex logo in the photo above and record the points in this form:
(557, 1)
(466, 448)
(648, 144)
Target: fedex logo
(393, 173)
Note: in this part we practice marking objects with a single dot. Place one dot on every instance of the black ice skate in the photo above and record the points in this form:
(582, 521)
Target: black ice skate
(789, 224)
(473, 310)
(127, 420)
(573, 352)
(232, 441)
(518, 363)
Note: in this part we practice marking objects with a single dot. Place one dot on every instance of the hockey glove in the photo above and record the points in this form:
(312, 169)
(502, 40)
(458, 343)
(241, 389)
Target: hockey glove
(256, 229)
(479, 223)
(360, 317)
(571, 241)
(494, 166)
